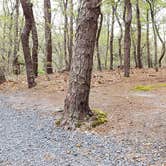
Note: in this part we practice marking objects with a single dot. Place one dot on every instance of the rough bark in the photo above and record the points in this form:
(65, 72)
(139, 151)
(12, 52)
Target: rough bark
(127, 39)
(97, 42)
(48, 36)
(2, 75)
(77, 100)
(27, 8)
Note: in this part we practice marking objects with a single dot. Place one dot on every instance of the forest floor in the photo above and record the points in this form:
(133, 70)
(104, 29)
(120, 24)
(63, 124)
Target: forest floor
(133, 114)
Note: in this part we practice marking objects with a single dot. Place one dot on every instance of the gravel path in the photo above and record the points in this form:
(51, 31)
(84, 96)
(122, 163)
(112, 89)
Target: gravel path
(29, 139)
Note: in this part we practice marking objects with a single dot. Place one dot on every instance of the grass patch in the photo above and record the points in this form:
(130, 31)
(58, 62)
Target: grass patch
(149, 87)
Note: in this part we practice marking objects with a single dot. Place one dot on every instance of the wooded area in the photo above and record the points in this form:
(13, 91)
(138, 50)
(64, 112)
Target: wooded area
(80, 45)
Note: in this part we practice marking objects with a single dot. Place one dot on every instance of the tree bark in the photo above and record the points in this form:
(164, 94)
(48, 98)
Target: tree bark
(77, 100)
(48, 36)
(147, 40)
(27, 9)
(139, 56)
(97, 42)
(16, 69)
(35, 46)
(127, 38)
(112, 38)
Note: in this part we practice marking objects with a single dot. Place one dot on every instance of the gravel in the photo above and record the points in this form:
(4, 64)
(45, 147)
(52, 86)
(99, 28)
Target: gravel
(30, 138)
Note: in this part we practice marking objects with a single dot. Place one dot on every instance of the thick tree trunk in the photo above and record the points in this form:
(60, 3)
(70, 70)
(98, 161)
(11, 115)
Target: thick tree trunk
(27, 9)
(139, 56)
(97, 42)
(48, 37)
(77, 100)
(127, 39)
(112, 38)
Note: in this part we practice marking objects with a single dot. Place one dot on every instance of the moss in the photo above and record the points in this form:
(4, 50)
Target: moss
(58, 122)
(100, 118)
(149, 87)
(144, 88)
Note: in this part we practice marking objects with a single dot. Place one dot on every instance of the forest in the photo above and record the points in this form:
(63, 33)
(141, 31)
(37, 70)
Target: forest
(83, 82)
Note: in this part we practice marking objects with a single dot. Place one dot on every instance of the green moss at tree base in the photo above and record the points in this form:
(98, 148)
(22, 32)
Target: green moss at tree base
(100, 118)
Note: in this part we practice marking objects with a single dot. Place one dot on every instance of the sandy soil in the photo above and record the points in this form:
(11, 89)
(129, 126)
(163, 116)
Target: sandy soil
(130, 112)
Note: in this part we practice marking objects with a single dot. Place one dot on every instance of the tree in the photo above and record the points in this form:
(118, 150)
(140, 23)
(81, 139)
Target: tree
(139, 56)
(16, 40)
(28, 13)
(48, 36)
(77, 100)
(97, 42)
(127, 39)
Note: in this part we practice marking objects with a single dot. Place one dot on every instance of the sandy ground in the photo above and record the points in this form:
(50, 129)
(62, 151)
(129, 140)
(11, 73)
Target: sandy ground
(130, 112)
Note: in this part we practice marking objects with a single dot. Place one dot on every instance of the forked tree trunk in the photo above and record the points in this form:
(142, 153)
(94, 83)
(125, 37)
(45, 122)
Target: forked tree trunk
(48, 37)
(127, 39)
(27, 9)
(77, 100)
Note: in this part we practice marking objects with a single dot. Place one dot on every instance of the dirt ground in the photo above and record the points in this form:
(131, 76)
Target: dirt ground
(129, 111)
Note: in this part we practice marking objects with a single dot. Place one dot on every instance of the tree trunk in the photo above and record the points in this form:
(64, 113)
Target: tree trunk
(120, 40)
(48, 37)
(97, 42)
(112, 38)
(35, 47)
(127, 39)
(77, 100)
(71, 33)
(27, 9)
(2, 75)
(16, 41)
(147, 40)
(139, 56)
(108, 37)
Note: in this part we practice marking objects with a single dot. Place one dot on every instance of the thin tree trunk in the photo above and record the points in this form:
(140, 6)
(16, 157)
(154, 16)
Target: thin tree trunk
(48, 36)
(112, 38)
(35, 47)
(120, 39)
(97, 42)
(71, 34)
(16, 69)
(139, 56)
(77, 100)
(27, 9)
(127, 39)
(108, 37)
(147, 40)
